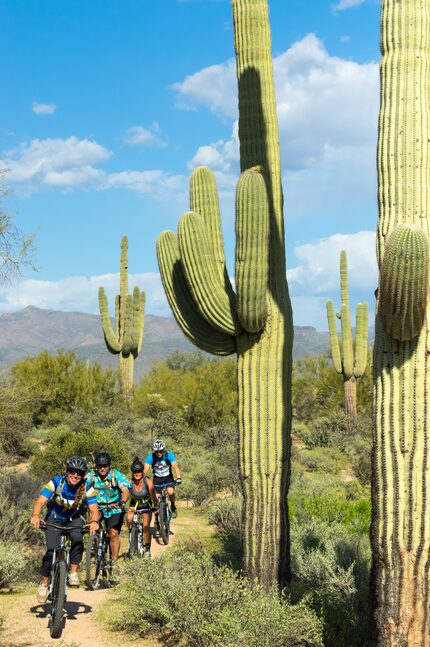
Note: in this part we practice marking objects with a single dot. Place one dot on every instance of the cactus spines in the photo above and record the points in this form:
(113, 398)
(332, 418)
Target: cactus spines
(349, 359)
(126, 340)
(403, 286)
(256, 323)
(400, 583)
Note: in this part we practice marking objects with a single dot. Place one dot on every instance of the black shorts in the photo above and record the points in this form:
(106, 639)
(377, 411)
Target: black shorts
(161, 480)
(114, 521)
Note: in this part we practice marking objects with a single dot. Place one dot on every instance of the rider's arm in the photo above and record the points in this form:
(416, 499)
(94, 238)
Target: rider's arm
(94, 516)
(152, 492)
(176, 468)
(37, 508)
(125, 493)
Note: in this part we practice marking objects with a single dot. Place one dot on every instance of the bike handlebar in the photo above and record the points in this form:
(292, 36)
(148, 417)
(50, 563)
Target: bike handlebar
(161, 485)
(44, 524)
(142, 511)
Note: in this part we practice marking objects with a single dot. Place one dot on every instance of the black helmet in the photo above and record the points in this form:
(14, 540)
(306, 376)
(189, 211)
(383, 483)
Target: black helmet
(137, 465)
(77, 463)
(158, 446)
(102, 459)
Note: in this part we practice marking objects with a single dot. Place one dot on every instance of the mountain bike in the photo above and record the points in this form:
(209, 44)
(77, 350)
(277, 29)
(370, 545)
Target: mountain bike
(164, 513)
(136, 541)
(98, 562)
(58, 578)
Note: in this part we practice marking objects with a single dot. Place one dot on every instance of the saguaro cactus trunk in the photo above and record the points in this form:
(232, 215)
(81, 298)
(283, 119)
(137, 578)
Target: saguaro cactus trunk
(401, 476)
(126, 340)
(255, 322)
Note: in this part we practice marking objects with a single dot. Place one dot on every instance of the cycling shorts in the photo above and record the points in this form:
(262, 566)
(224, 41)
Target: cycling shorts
(161, 480)
(115, 521)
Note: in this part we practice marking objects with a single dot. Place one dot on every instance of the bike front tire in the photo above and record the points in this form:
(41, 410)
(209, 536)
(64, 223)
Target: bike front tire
(133, 548)
(58, 597)
(163, 518)
(93, 562)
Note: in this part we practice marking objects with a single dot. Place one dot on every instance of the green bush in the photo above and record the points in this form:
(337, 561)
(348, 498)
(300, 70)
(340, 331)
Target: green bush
(225, 515)
(17, 493)
(62, 443)
(330, 568)
(13, 564)
(323, 459)
(205, 604)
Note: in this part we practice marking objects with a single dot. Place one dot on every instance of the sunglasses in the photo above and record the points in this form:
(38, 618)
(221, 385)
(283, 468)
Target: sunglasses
(102, 467)
(76, 472)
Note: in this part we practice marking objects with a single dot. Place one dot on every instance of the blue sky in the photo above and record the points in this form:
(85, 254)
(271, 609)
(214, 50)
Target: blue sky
(108, 105)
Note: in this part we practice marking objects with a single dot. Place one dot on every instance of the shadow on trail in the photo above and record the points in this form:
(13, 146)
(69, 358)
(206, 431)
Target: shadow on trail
(72, 610)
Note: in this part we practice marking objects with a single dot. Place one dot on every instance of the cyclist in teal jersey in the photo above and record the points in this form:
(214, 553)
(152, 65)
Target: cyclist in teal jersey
(112, 490)
(65, 497)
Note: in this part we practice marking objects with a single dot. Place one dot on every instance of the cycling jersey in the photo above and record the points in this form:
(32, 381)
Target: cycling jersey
(108, 493)
(162, 466)
(140, 498)
(61, 498)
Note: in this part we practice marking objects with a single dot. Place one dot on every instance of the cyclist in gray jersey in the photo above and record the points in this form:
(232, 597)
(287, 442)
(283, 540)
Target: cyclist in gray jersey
(143, 497)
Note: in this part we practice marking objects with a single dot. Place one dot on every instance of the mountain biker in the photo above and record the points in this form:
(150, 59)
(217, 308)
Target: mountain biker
(112, 490)
(65, 497)
(143, 497)
(163, 462)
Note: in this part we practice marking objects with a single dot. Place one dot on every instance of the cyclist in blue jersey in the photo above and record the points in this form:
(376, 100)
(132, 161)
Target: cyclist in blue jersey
(163, 463)
(112, 490)
(65, 497)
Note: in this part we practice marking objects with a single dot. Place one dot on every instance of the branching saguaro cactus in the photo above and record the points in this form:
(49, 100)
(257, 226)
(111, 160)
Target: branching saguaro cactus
(349, 359)
(255, 322)
(126, 340)
(400, 580)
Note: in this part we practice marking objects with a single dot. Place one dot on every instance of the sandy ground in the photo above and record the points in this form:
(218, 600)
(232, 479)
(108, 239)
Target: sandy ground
(26, 621)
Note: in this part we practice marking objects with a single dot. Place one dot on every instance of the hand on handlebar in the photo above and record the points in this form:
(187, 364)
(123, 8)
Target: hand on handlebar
(93, 527)
(178, 481)
(35, 521)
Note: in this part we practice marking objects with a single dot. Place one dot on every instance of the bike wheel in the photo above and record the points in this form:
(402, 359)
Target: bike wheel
(58, 596)
(163, 518)
(93, 563)
(133, 548)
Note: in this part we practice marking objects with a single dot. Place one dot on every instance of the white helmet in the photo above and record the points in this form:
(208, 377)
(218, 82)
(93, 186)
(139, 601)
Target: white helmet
(158, 445)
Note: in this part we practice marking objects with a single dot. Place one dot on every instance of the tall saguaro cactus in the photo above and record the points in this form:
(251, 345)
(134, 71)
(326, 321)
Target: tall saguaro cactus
(256, 322)
(401, 469)
(126, 340)
(349, 360)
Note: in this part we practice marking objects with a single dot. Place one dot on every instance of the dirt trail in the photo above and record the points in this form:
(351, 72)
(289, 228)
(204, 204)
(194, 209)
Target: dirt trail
(26, 621)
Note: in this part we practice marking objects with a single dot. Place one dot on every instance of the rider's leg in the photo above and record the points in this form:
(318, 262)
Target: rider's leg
(171, 493)
(52, 537)
(114, 543)
(77, 544)
(146, 520)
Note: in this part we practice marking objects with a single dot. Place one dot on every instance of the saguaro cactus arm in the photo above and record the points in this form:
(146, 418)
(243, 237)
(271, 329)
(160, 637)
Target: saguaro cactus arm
(111, 338)
(347, 345)
(403, 286)
(138, 320)
(194, 326)
(252, 249)
(361, 339)
(334, 339)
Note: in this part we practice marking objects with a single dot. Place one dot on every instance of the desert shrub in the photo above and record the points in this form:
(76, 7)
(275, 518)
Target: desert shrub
(330, 568)
(17, 493)
(206, 473)
(13, 564)
(323, 459)
(225, 515)
(205, 604)
(62, 442)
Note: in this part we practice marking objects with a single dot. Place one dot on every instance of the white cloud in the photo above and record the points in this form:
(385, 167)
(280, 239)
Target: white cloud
(140, 136)
(324, 102)
(43, 108)
(346, 4)
(73, 163)
(318, 272)
(80, 293)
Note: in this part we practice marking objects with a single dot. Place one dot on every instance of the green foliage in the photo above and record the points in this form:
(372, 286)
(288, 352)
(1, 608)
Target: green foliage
(207, 473)
(205, 604)
(331, 570)
(204, 395)
(56, 384)
(62, 442)
(322, 459)
(13, 564)
(226, 515)
(17, 492)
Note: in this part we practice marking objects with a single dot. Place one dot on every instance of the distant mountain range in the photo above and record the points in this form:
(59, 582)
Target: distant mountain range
(31, 330)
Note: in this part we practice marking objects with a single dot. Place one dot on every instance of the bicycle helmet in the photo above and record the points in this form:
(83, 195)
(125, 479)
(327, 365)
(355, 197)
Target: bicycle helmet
(102, 459)
(137, 465)
(77, 463)
(158, 446)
